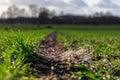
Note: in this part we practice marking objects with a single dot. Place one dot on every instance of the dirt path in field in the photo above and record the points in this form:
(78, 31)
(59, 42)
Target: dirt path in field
(50, 62)
(46, 64)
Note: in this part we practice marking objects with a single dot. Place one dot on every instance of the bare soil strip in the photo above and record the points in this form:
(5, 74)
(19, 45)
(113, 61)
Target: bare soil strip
(50, 62)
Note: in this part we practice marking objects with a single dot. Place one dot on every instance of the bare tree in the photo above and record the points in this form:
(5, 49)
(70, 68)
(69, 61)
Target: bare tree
(52, 14)
(12, 11)
(22, 13)
(3, 15)
(34, 10)
(44, 15)
(108, 14)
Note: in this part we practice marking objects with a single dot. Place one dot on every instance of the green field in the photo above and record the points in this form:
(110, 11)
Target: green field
(18, 43)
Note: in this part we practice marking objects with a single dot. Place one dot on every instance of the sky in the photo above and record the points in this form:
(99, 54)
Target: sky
(84, 7)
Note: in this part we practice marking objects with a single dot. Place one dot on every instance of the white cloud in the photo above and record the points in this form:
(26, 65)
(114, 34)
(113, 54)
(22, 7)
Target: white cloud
(51, 8)
(70, 6)
(5, 2)
(67, 1)
(92, 3)
(109, 4)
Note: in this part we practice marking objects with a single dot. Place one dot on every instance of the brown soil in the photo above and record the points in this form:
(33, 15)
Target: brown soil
(50, 60)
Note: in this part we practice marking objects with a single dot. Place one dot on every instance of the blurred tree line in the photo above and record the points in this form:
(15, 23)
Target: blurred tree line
(41, 15)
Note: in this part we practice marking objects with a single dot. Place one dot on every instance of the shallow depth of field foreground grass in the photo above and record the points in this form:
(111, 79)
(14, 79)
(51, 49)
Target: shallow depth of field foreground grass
(104, 45)
(15, 47)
